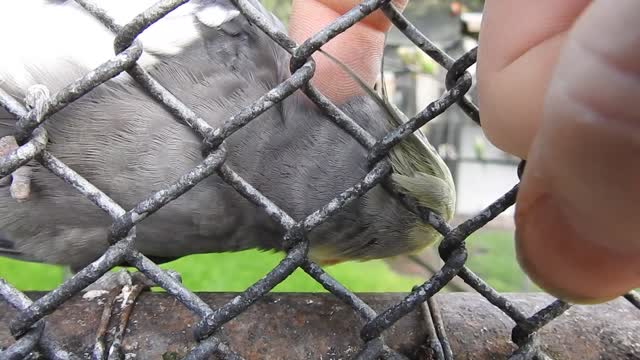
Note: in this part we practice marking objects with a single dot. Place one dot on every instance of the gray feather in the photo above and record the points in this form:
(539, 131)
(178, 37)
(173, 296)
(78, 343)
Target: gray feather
(7, 249)
(128, 146)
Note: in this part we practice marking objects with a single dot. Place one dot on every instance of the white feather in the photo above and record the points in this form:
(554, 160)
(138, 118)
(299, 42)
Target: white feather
(42, 38)
(214, 16)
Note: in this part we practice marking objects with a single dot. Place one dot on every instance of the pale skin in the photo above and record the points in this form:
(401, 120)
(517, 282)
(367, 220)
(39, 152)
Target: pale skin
(559, 84)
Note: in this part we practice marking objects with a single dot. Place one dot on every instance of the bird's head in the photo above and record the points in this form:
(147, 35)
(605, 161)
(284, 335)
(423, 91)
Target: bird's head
(418, 173)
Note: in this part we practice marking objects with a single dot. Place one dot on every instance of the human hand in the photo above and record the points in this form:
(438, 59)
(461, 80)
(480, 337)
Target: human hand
(557, 83)
(360, 47)
(554, 89)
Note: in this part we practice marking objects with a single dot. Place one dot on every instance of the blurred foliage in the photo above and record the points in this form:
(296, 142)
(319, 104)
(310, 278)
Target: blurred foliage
(474, 5)
(416, 60)
(479, 148)
(281, 8)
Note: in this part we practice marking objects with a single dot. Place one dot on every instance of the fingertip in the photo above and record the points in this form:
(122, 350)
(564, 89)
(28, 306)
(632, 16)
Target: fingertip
(576, 215)
(560, 260)
(568, 267)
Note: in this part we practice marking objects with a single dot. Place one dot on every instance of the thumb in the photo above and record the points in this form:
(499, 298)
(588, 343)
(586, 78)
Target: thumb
(577, 216)
(359, 47)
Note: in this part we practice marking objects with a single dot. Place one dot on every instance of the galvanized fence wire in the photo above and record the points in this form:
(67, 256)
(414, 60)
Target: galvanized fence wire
(28, 325)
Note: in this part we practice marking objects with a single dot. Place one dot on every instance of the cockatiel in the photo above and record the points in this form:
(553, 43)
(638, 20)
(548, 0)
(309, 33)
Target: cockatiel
(128, 145)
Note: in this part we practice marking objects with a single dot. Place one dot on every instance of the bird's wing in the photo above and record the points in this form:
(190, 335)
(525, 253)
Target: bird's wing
(7, 249)
(55, 33)
(125, 143)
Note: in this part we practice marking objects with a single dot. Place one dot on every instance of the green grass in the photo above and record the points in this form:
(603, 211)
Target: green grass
(230, 272)
(30, 276)
(235, 272)
(491, 256)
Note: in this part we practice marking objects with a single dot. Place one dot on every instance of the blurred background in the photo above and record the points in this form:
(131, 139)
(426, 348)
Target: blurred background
(482, 174)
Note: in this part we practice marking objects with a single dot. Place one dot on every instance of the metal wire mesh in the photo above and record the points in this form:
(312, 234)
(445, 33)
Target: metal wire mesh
(28, 324)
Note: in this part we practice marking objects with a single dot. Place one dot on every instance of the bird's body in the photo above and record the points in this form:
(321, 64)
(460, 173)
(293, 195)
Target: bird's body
(127, 145)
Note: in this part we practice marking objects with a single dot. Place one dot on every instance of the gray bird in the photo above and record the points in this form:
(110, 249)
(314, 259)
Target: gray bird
(126, 144)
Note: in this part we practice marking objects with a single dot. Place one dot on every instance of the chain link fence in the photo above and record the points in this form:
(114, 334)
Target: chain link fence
(27, 327)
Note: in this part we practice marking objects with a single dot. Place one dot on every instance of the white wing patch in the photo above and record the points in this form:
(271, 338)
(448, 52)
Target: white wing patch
(214, 16)
(169, 35)
(43, 38)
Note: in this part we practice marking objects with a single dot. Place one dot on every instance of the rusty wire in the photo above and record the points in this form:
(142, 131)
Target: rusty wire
(27, 326)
